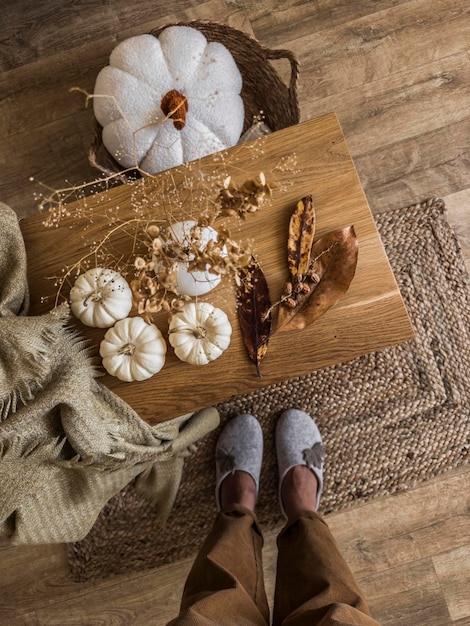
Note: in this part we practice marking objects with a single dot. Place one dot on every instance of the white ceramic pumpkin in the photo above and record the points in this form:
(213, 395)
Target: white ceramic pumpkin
(100, 297)
(133, 350)
(195, 283)
(199, 333)
(168, 100)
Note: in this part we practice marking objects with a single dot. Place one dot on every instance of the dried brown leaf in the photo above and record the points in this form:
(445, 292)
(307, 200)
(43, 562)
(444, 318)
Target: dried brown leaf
(332, 268)
(300, 239)
(254, 316)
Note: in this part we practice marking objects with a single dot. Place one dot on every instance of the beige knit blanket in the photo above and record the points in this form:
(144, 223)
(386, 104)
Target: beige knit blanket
(68, 444)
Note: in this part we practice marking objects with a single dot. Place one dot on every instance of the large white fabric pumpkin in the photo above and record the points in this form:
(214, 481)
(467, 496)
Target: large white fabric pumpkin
(133, 350)
(199, 333)
(100, 297)
(168, 100)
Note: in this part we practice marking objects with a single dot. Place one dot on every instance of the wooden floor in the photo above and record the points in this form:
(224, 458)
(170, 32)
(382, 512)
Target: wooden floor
(397, 74)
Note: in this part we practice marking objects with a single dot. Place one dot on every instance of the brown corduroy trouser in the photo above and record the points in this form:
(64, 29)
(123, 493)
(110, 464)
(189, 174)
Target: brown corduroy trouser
(314, 584)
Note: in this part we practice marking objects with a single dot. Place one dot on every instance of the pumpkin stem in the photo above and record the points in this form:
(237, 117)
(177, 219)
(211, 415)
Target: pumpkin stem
(128, 349)
(175, 106)
(199, 332)
(96, 296)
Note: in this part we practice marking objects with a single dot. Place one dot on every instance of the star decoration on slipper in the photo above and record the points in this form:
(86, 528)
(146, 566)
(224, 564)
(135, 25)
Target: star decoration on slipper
(314, 456)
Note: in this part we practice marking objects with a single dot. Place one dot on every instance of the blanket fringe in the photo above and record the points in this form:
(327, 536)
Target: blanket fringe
(37, 364)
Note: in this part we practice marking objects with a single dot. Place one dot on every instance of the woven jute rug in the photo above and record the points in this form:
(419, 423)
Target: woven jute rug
(389, 420)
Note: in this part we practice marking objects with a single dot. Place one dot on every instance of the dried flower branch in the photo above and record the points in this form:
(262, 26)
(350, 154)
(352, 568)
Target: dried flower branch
(155, 286)
(247, 198)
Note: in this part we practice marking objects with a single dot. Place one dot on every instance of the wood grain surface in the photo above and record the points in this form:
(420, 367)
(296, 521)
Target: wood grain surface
(371, 315)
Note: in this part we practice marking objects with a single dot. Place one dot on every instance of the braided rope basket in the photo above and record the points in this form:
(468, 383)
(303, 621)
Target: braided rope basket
(263, 92)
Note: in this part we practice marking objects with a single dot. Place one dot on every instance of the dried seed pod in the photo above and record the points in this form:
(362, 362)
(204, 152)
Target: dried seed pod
(335, 257)
(304, 288)
(153, 231)
(157, 245)
(139, 263)
(153, 306)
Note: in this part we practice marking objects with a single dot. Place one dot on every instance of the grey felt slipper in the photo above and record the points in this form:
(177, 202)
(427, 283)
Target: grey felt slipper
(239, 447)
(298, 442)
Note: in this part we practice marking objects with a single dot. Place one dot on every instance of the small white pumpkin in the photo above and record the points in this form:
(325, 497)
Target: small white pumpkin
(133, 350)
(168, 100)
(100, 297)
(195, 283)
(199, 333)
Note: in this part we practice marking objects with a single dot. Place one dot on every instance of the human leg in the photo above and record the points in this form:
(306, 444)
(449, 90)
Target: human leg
(225, 584)
(314, 584)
